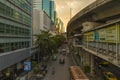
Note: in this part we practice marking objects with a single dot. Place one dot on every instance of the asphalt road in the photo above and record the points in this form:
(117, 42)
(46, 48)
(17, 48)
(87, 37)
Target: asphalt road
(115, 70)
(61, 70)
(111, 68)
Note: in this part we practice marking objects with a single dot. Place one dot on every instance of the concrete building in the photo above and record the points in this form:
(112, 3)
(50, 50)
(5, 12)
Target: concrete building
(15, 34)
(41, 21)
(43, 11)
(37, 4)
(101, 40)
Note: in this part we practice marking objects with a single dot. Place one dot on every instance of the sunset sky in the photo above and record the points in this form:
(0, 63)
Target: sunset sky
(63, 8)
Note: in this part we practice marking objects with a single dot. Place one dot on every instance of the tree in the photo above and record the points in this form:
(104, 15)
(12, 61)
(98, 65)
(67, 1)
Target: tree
(47, 43)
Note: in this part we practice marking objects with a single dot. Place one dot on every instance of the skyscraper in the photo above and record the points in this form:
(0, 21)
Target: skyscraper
(46, 6)
(52, 14)
(37, 4)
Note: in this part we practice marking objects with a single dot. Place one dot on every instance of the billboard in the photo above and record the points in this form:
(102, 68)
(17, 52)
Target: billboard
(27, 66)
(90, 36)
(112, 34)
(85, 37)
(109, 34)
(96, 36)
(102, 35)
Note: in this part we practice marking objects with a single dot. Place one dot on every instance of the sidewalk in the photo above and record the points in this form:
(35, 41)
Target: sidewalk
(32, 76)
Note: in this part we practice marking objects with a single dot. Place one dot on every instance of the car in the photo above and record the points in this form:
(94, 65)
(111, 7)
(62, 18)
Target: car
(109, 76)
(104, 63)
(54, 57)
(63, 50)
(62, 61)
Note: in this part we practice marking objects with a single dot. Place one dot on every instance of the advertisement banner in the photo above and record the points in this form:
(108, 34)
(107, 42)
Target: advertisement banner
(102, 35)
(96, 36)
(27, 66)
(111, 34)
(90, 36)
(85, 37)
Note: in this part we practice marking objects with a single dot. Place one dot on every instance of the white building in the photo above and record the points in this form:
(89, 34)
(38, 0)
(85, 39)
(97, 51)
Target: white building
(41, 21)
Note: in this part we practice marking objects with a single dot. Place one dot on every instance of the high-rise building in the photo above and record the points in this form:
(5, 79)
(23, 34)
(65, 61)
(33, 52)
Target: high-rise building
(37, 4)
(52, 14)
(15, 32)
(41, 21)
(46, 6)
(55, 16)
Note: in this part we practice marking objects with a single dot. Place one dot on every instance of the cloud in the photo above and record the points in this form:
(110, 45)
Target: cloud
(63, 8)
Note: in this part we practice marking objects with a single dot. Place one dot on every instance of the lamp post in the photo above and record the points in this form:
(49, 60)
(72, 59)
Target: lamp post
(70, 12)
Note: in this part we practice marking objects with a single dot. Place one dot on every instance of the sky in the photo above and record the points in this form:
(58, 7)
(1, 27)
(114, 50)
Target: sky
(63, 8)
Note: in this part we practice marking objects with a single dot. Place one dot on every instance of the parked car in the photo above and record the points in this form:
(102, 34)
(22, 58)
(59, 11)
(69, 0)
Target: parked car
(104, 63)
(109, 76)
(62, 61)
(54, 57)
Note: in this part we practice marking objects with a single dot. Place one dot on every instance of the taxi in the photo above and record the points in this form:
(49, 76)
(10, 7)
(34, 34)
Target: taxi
(105, 63)
(109, 76)
(54, 58)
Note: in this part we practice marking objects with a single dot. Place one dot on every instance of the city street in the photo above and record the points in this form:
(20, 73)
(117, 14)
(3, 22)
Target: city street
(61, 70)
(110, 68)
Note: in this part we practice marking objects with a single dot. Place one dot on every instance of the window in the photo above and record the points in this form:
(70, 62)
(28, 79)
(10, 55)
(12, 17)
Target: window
(2, 28)
(8, 10)
(8, 29)
(2, 8)
(1, 47)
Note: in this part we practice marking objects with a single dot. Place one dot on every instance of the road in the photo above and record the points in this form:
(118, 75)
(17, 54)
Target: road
(111, 68)
(61, 70)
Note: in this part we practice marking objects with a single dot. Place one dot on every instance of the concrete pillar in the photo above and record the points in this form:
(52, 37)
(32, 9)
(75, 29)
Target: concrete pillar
(91, 64)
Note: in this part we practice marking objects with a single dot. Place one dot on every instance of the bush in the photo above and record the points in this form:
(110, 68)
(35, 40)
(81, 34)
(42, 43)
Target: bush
(34, 63)
(87, 69)
(35, 70)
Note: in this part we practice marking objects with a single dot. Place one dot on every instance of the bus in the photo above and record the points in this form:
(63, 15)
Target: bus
(77, 74)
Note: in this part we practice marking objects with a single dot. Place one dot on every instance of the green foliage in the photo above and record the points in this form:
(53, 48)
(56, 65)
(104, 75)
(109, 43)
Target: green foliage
(48, 43)
(35, 70)
(34, 63)
(87, 69)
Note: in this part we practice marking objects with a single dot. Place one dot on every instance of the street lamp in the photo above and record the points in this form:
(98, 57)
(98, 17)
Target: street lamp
(70, 12)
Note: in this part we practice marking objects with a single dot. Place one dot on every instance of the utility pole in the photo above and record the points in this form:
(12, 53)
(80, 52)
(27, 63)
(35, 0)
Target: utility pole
(70, 12)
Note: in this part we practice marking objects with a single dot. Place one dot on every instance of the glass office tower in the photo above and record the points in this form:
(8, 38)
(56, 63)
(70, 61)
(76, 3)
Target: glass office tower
(46, 6)
(52, 14)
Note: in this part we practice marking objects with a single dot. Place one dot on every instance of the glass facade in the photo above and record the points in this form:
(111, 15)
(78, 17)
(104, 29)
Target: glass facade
(15, 24)
(55, 16)
(46, 6)
(52, 14)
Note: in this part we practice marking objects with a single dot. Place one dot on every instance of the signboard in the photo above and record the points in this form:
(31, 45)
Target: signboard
(96, 36)
(111, 34)
(85, 37)
(27, 66)
(90, 36)
(102, 35)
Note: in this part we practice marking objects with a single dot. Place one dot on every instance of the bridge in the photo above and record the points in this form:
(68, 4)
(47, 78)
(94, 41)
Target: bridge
(93, 41)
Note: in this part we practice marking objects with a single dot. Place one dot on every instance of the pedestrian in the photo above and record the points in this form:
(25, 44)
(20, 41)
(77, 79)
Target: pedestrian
(53, 71)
